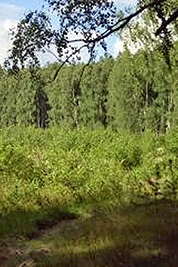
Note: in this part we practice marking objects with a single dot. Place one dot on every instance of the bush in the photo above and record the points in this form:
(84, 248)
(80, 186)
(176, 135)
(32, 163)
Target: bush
(40, 169)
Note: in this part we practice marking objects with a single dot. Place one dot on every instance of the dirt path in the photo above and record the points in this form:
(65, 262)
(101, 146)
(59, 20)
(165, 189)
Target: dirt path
(134, 237)
(15, 249)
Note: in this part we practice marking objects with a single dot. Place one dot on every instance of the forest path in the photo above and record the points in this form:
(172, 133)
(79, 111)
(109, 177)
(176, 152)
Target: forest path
(145, 235)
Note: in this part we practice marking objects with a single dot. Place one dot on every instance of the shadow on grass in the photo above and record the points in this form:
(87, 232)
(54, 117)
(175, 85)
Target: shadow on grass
(31, 223)
(145, 235)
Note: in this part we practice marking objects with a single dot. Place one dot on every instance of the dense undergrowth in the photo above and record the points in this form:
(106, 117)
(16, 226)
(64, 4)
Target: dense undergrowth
(53, 171)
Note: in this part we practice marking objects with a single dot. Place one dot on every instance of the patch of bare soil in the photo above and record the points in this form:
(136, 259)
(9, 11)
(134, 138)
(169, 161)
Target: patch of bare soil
(13, 247)
(46, 224)
(10, 248)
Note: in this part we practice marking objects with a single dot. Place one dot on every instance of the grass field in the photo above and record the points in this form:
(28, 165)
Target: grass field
(88, 198)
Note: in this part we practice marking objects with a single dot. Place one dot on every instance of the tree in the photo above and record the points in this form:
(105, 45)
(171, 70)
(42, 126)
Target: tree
(25, 98)
(91, 21)
(41, 101)
(126, 97)
(8, 93)
(64, 94)
(94, 94)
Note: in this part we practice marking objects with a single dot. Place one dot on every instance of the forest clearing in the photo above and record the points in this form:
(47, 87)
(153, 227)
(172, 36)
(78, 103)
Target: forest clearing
(74, 196)
(89, 133)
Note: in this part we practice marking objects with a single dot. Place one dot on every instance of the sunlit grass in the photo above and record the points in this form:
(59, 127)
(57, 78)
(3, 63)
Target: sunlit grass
(122, 189)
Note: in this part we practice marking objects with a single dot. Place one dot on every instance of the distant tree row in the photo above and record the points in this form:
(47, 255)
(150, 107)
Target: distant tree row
(135, 91)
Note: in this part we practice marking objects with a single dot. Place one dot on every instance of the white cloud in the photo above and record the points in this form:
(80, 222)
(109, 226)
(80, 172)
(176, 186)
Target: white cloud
(10, 11)
(5, 25)
(9, 15)
(132, 46)
(125, 2)
(51, 54)
(118, 47)
(121, 4)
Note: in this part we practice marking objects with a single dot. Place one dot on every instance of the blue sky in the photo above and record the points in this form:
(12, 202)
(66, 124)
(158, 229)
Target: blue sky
(32, 4)
(12, 10)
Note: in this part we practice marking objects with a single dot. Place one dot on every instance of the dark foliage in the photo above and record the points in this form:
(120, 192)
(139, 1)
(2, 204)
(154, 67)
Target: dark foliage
(81, 24)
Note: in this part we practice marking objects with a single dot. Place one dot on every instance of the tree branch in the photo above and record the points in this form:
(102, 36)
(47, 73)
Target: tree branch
(125, 21)
(172, 18)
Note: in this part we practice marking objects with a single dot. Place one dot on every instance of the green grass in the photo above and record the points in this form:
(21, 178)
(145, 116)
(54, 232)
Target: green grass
(71, 197)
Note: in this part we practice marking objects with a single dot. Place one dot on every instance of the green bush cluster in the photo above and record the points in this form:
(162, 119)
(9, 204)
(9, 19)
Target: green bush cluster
(56, 168)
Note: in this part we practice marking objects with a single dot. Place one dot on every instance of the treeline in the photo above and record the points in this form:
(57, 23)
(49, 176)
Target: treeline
(137, 92)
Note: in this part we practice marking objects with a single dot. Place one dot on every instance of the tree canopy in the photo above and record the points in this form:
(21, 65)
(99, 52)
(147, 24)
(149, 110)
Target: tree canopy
(70, 26)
